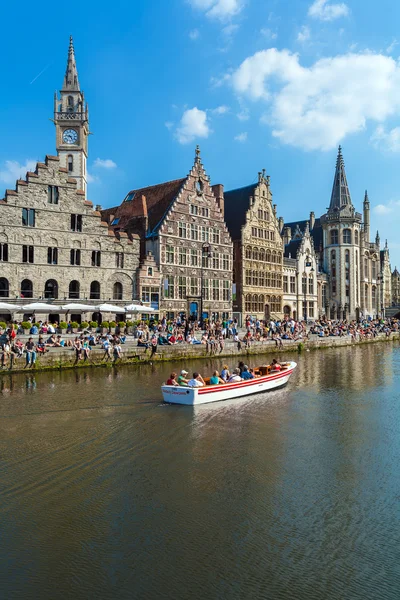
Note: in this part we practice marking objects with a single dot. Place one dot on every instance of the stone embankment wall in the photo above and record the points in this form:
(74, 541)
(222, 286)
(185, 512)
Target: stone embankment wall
(64, 358)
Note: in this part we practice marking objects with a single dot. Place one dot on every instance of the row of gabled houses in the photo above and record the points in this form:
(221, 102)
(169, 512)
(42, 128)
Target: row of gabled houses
(184, 246)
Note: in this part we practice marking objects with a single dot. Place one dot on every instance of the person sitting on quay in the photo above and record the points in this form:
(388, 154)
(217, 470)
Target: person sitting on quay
(215, 379)
(30, 348)
(182, 379)
(196, 381)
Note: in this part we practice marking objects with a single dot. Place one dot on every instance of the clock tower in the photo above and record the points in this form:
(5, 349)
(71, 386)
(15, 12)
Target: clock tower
(71, 118)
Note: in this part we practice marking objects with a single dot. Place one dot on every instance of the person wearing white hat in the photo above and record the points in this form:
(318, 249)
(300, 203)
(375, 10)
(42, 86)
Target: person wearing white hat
(182, 379)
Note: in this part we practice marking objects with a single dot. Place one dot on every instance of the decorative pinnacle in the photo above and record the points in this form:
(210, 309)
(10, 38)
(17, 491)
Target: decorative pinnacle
(366, 199)
(197, 157)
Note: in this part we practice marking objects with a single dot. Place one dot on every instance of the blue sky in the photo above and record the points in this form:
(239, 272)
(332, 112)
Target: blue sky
(258, 84)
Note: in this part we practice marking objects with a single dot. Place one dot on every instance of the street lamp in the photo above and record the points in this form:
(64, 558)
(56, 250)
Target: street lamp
(206, 253)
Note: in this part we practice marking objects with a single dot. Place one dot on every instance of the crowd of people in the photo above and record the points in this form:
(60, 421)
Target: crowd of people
(213, 335)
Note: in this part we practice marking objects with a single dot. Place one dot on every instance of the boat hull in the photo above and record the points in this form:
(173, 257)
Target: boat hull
(218, 393)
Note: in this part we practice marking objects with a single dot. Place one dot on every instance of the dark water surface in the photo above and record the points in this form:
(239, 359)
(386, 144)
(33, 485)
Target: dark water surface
(295, 494)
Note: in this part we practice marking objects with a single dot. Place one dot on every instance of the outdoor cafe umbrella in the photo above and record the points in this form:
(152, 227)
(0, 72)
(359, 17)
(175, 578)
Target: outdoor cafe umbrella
(109, 308)
(4, 306)
(139, 308)
(40, 307)
(77, 308)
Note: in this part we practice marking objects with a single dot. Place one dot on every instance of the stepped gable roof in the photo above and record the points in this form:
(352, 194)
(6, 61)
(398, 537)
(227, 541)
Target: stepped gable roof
(316, 233)
(237, 203)
(292, 248)
(158, 199)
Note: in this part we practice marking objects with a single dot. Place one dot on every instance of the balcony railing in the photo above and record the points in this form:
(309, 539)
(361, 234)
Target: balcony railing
(73, 116)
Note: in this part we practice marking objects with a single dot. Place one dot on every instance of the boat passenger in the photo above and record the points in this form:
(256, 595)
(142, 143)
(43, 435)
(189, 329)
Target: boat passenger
(182, 379)
(216, 379)
(196, 381)
(241, 367)
(246, 373)
(225, 373)
(275, 366)
(172, 379)
(235, 377)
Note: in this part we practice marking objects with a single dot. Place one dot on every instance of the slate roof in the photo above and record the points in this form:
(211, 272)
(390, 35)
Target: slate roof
(237, 203)
(292, 248)
(340, 190)
(316, 233)
(159, 198)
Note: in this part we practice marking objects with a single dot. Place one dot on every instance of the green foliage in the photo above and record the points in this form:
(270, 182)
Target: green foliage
(300, 346)
(122, 324)
(63, 325)
(105, 324)
(93, 324)
(113, 324)
(37, 325)
(26, 325)
(74, 325)
(84, 325)
(3, 325)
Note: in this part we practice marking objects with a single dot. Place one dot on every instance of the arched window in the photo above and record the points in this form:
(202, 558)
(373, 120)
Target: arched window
(262, 255)
(248, 252)
(117, 291)
(254, 304)
(255, 277)
(255, 253)
(261, 279)
(247, 303)
(334, 236)
(95, 290)
(373, 298)
(26, 288)
(268, 255)
(70, 163)
(261, 303)
(273, 257)
(356, 237)
(51, 289)
(70, 103)
(311, 285)
(4, 288)
(150, 271)
(74, 289)
(346, 236)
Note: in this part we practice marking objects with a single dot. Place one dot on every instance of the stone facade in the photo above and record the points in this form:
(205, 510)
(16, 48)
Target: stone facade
(258, 250)
(300, 276)
(395, 287)
(182, 224)
(55, 246)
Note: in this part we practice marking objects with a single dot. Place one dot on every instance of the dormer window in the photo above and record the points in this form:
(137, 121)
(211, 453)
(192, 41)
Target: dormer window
(150, 271)
(115, 221)
(129, 197)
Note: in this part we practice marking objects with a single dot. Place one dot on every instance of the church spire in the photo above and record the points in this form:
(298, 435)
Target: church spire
(71, 82)
(340, 191)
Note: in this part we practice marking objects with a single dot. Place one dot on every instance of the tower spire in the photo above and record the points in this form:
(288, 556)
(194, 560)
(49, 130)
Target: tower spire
(71, 82)
(340, 191)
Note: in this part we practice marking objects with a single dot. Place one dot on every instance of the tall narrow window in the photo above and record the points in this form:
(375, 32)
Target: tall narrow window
(170, 287)
(119, 260)
(117, 291)
(311, 285)
(27, 254)
(182, 287)
(4, 288)
(170, 255)
(51, 289)
(334, 236)
(52, 194)
(374, 269)
(70, 163)
(346, 236)
(70, 103)
(75, 257)
(4, 252)
(96, 258)
(28, 217)
(74, 289)
(26, 288)
(76, 222)
(52, 256)
(304, 284)
(95, 290)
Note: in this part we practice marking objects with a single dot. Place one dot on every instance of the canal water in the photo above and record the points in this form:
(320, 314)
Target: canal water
(107, 493)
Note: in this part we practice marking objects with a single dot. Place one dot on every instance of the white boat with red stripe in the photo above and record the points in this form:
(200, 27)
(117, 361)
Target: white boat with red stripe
(266, 379)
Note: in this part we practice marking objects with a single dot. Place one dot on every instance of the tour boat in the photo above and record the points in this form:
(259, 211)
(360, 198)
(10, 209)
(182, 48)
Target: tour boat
(268, 380)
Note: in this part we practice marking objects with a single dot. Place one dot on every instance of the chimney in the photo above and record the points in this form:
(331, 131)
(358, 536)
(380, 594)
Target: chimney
(287, 235)
(98, 207)
(281, 223)
(274, 206)
(312, 220)
(218, 191)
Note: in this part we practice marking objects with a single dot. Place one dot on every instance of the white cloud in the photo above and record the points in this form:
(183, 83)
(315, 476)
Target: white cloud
(241, 137)
(219, 9)
(269, 34)
(220, 110)
(192, 125)
(385, 209)
(169, 125)
(243, 115)
(194, 34)
(92, 178)
(325, 11)
(304, 34)
(14, 170)
(386, 140)
(392, 46)
(310, 107)
(105, 163)
(230, 30)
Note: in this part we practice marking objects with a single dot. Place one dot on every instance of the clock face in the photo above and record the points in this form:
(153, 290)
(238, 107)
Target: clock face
(70, 136)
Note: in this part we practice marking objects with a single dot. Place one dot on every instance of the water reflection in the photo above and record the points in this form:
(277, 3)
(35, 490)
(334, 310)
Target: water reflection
(288, 495)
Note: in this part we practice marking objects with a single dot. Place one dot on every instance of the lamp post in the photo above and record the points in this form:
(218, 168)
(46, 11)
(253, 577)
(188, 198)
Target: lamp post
(206, 253)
